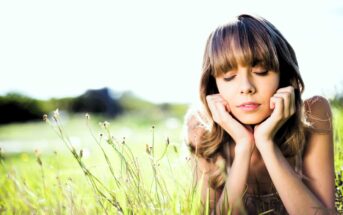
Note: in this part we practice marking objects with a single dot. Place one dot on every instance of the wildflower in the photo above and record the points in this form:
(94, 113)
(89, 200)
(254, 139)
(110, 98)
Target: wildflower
(109, 141)
(147, 149)
(87, 116)
(45, 117)
(175, 149)
(106, 125)
(37, 152)
(56, 114)
(39, 160)
(85, 153)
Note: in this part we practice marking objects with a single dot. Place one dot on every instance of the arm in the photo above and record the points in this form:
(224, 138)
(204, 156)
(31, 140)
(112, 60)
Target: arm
(318, 162)
(235, 183)
(315, 196)
(243, 138)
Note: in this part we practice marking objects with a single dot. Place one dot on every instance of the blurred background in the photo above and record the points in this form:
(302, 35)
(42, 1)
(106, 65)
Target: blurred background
(137, 60)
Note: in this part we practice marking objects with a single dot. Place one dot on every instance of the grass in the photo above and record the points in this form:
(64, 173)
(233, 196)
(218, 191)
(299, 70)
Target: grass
(98, 171)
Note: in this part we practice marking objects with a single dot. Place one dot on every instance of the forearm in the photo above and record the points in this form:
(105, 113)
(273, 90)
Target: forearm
(235, 183)
(294, 194)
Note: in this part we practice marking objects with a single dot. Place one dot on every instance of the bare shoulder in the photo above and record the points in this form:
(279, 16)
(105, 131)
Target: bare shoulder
(318, 114)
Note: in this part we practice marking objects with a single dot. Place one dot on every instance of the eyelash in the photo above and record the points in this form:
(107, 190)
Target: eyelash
(264, 73)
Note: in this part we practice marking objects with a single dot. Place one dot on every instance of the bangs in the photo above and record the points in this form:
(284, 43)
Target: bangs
(241, 43)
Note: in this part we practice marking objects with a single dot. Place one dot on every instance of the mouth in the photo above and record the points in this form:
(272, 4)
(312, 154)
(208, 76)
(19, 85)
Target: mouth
(249, 106)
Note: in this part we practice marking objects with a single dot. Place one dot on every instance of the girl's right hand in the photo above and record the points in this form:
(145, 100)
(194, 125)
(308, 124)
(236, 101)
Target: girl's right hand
(242, 135)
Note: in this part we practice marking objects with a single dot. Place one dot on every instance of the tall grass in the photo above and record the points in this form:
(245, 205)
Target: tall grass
(122, 177)
(157, 181)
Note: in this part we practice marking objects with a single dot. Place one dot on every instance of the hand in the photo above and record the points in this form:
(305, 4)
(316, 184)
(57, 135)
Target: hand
(242, 135)
(283, 105)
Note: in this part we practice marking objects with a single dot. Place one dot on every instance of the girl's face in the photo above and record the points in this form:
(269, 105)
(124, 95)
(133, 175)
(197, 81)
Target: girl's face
(248, 91)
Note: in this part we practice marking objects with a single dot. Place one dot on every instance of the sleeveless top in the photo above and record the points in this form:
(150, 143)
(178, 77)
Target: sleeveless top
(271, 203)
(318, 120)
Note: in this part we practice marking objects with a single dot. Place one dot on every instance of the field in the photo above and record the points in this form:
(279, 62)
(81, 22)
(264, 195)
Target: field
(86, 165)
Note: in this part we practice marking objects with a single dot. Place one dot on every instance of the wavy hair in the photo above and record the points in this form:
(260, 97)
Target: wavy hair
(245, 41)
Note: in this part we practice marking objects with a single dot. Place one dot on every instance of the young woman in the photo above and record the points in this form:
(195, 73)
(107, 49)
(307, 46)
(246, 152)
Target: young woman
(258, 147)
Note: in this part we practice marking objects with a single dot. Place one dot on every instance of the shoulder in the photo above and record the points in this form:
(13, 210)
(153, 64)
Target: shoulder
(318, 114)
(195, 125)
(318, 164)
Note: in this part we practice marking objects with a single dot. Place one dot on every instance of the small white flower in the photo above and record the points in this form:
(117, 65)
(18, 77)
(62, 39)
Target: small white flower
(106, 124)
(56, 113)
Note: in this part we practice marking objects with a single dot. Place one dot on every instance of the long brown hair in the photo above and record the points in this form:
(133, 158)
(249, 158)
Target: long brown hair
(244, 41)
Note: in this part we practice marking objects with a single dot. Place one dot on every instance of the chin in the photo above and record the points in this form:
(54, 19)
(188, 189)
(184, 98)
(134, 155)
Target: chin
(251, 120)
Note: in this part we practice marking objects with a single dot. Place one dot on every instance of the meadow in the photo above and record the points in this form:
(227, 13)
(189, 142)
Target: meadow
(81, 164)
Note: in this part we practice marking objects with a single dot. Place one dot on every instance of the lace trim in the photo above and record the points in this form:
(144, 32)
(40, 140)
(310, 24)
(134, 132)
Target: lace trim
(319, 120)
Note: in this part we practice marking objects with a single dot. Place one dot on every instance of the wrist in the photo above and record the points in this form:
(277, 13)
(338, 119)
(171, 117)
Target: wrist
(265, 146)
(244, 148)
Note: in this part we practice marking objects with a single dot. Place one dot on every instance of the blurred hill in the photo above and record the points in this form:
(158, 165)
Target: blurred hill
(15, 107)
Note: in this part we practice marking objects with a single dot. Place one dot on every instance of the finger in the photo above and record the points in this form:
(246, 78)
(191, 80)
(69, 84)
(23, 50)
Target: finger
(278, 107)
(289, 89)
(287, 103)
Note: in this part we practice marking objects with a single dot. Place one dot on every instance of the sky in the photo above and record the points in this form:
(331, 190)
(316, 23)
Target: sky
(153, 48)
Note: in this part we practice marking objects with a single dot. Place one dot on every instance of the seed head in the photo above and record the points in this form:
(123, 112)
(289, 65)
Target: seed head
(147, 149)
(39, 161)
(87, 116)
(37, 152)
(175, 149)
(56, 114)
(106, 124)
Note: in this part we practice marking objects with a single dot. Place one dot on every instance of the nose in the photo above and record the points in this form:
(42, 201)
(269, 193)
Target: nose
(247, 87)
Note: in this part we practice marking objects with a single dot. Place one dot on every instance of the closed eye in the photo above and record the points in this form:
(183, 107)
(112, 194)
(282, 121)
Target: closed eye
(262, 73)
(229, 78)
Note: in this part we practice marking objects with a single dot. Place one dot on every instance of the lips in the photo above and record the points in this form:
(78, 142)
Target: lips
(249, 106)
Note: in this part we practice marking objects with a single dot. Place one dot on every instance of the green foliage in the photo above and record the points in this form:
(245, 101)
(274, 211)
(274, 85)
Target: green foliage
(19, 108)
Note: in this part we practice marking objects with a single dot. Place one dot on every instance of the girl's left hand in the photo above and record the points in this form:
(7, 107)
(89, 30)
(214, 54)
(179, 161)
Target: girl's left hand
(283, 105)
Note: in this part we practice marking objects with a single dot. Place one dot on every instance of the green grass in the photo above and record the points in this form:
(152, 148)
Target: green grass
(148, 174)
